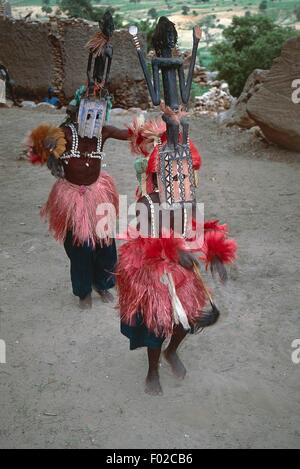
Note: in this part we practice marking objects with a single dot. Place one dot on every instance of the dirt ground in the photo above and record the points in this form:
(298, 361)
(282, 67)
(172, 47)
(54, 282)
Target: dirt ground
(70, 380)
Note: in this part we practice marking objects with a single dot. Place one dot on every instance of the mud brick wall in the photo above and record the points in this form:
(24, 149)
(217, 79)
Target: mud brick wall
(39, 54)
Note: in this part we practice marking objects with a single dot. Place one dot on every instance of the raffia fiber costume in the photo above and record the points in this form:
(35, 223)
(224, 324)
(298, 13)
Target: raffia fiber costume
(155, 290)
(71, 208)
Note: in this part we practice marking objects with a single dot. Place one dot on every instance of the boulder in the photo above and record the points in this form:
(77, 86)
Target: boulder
(272, 107)
(238, 114)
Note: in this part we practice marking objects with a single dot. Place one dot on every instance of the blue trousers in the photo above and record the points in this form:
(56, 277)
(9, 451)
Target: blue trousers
(91, 267)
(139, 336)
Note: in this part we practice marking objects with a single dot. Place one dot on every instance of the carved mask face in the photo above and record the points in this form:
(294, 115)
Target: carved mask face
(108, 30)
(107, 25)
(176, 181)
(91, 117)
(170, 38)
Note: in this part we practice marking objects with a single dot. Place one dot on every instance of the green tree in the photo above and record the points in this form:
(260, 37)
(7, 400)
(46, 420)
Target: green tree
(207, 23)
(297, 12)
(46, 8)
(85, 9)
(185, 10)
(263, 5)
(249, 42)
(146, 27)
(77, 8)
(153, 13)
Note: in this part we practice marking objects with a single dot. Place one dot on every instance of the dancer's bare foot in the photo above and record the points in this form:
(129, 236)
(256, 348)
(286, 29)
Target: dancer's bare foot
(175, 363)
(153, 387)
(106, 296)
(86, 303)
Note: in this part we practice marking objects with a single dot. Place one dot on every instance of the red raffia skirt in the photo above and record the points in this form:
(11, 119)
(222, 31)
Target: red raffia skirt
(141, 267)
(74, 208)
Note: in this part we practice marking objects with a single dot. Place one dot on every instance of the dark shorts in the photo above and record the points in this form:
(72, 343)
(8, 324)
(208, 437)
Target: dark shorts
(139, 336)
(91, 267)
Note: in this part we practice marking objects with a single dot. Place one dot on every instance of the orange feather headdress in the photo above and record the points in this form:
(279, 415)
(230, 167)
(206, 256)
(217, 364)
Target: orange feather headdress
(44, 141)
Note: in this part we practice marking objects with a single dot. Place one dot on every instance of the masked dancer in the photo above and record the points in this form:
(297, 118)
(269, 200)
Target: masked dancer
(74, 154)
(162, 294)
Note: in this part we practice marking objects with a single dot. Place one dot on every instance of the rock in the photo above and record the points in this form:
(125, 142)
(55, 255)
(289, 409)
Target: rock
(28, 104)
(135, 110)
(187, 57)
(225, 87)
(45, 106)
(216, 84)
(257, 133)
(272, 106)
(9, 104)
(200, 75)
(211, 76)
(200, 80)
(118, 111)
(213, 101)
(237, 114)
(5, 9)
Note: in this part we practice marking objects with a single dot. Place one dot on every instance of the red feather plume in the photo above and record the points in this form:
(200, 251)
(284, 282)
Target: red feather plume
(217, 245)
(214, 225)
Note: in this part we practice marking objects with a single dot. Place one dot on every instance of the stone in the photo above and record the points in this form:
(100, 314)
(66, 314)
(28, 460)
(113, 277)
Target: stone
(272, 106)
(28, 104)
(257, 132)
(45, 106)
(238, 114)
(216, 84)
(213, 101)
(117, 111)
(200, 75)
(5, 9)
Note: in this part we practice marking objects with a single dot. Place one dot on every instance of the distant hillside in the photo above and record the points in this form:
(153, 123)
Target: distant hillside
(221, 12)
(140, 8)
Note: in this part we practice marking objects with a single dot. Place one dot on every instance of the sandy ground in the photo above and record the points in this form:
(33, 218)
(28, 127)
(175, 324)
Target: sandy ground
(70, 380)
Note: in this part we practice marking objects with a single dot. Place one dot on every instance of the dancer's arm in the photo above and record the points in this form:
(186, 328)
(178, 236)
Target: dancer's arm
(185, 86)
(89, 70)
(143, 216)
(110, 131)
(153, 87)
(109, 55)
